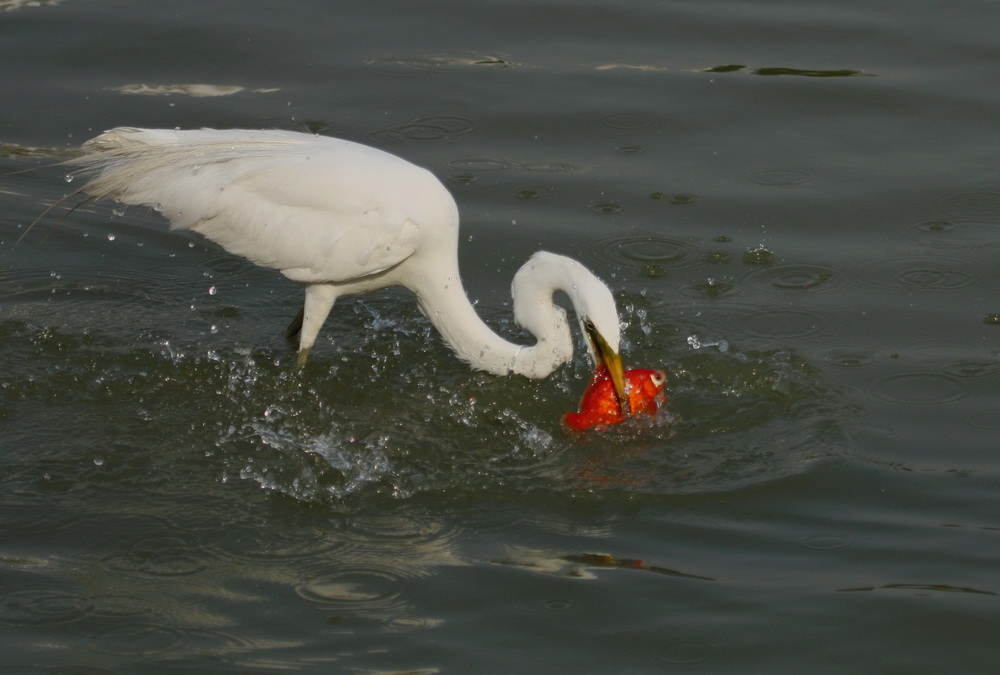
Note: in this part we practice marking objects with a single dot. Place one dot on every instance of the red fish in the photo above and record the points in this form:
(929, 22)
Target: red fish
(600, 404)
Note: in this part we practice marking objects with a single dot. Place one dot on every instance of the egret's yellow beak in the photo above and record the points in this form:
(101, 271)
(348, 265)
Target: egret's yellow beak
(611, 360)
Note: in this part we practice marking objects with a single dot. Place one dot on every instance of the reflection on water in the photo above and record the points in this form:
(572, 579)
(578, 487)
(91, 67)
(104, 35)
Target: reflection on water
(431, 62)
(195, 90)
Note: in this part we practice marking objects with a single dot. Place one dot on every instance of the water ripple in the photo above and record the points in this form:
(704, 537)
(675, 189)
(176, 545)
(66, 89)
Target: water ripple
(848, 356)
(364, 591)
(978, 206)
(781, 177)
(627, 120)
(686, 652)
(229, 266)
(531, 192)
(956, 234)
(989, 419)
(161, 556)
(473, 165)
(424, 130)
(916, 388)
(923, 272)
(279, 545)
(643, 251)
(798, 277)
(827, 542)
(139, 639)
(45, 604)
(783, 323)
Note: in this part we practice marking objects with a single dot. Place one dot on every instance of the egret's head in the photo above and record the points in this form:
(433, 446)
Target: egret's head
(533, 287)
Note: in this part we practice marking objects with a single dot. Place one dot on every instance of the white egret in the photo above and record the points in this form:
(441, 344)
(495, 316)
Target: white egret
(341, 218)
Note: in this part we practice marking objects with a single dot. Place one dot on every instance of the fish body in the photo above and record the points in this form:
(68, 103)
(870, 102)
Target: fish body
(599, 405)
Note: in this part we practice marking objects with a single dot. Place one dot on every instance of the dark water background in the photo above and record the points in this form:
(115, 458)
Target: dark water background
(797, 206)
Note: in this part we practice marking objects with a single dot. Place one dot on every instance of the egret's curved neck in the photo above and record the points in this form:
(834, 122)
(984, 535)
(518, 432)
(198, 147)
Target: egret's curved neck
(445, 303)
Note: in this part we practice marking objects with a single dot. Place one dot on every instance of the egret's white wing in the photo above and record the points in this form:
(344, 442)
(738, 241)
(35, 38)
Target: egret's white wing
(317, 208)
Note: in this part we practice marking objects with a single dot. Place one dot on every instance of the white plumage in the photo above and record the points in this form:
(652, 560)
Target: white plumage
(342, 218)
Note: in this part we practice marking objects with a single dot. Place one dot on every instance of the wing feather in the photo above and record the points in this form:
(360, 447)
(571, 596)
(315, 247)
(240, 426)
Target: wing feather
(316, 208)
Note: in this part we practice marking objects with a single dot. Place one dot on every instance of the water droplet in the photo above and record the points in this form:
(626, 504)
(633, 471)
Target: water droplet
(212, 290)
(111, 237)
(758, 256)
(713, 288)
(652, 271)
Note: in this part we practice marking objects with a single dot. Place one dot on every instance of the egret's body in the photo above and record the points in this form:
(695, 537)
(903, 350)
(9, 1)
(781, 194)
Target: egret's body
(341, 218)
